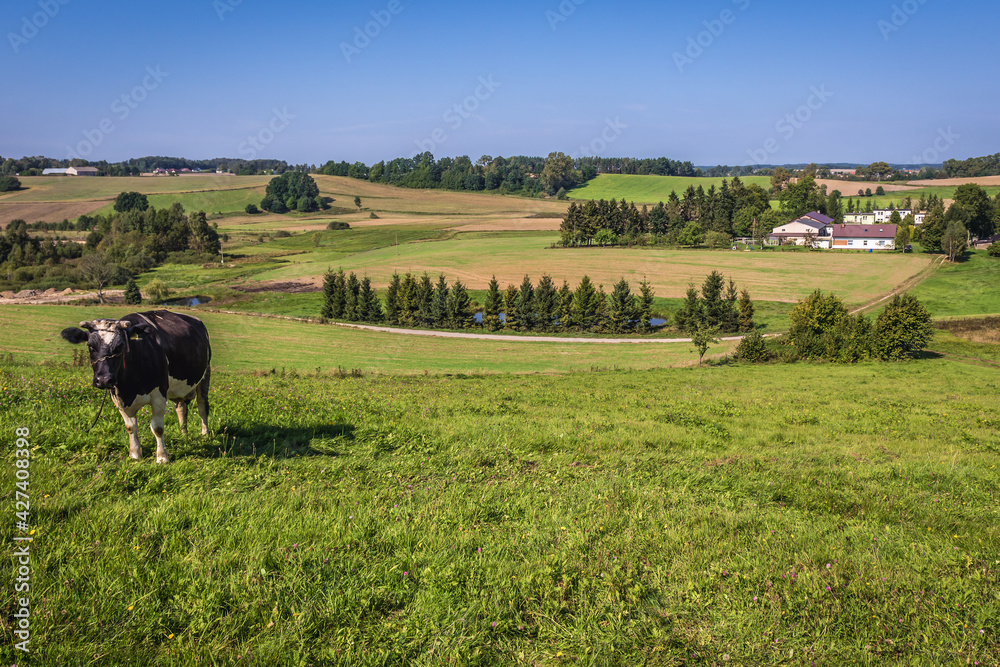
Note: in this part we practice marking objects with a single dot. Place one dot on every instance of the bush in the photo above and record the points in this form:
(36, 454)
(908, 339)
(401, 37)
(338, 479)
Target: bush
(157, 291)
(282, 234)
(753, 348)
(994, 250)
(252, 209)
(903, 328)
(9, 184)
(336, 224)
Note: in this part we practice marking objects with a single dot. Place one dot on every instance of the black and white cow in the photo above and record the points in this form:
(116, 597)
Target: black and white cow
(146, 359)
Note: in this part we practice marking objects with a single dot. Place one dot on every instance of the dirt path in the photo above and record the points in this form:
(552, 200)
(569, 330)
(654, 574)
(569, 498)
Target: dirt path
(907, 285)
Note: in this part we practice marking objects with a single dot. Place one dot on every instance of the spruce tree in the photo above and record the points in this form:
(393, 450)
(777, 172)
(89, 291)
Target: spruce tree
(526, 315)
(440, 304)
(712, 300)
(644, 312)
(133, 296)
(407, 299)
(746, 323)
(730, 312)
(691, 313)
(338, 297)
(392, 309)
(621, 308)
(584, 304)
(425, 301)
(491, 309)
(329, 288)
(368, 303)
(460, 307)
(510, 307)
(565, 305)
(546, 303)
(352, 295)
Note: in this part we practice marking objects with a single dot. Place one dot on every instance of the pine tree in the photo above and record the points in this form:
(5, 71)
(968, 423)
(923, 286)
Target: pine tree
(133, 296)
(621, 308)
(392, 306)
(645, 306)
(546, 303)
(369, 306)
(352, 295)
(565, 305)
(338, 297)
(746, 322)
(329, 289)
(584, 304)
(425, 301)
(510, 307)
(491, 309)
(711, 296)
(526, 316)
(691, 313)
(460, 307)
(440, 306)
(407, 300)
(730, 313)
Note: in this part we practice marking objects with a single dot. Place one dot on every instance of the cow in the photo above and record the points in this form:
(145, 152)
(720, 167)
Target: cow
(146, 359)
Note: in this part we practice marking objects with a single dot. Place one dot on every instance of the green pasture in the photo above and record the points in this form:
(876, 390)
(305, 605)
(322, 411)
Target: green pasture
(967, 287)
(247, 342)
(784, 514)
(650, 189)
(212, 201)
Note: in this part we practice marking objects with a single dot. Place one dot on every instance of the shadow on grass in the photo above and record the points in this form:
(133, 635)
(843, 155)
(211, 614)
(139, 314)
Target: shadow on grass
(929, 354)
(266, 440)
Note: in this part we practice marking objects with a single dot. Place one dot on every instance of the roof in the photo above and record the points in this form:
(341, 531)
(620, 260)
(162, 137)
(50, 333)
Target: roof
(818, 217)
(864, 231)
(46, 172)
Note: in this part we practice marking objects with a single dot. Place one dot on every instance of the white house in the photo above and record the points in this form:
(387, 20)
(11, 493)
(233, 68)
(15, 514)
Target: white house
(918, 218)
(883, 214)
(864, 237)
(812, 226)
(81, 171)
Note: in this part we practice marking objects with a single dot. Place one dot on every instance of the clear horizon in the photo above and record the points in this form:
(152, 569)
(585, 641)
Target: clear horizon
(731, 83)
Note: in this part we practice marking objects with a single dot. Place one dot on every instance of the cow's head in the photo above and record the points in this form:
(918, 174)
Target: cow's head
(108, 341)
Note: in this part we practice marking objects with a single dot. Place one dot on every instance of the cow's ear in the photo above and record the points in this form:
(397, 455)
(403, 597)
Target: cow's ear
(140, 329)
(74, 335)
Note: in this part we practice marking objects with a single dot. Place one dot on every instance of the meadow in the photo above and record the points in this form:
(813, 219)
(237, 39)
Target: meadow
(797, 514)
(369, 498)
(650, 189)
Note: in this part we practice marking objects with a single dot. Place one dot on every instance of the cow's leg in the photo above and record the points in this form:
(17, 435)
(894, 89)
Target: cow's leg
(181, 408)
(202, 391)
(132, 427)
(158, 404)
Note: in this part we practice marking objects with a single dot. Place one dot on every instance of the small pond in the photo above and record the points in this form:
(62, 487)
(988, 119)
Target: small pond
(188, 301)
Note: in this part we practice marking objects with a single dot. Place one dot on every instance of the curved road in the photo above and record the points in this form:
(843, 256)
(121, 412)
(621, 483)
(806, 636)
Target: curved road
(518, 339)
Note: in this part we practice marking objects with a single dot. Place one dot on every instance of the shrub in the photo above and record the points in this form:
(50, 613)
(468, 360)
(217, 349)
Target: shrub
(994, 250)
(903, 328)
(252, 209)
(336, 224)
(282, 234)
(753, 348)
(157, 291)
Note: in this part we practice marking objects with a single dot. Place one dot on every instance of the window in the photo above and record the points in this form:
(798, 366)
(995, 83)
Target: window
(866, 241)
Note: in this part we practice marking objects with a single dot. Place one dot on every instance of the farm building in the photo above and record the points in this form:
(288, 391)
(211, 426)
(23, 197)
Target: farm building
(81, 171)
(864, 237)
(812, 227)
(53, 172)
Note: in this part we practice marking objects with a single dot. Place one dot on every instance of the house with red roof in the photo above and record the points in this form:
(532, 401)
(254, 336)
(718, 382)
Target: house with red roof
(864, 237)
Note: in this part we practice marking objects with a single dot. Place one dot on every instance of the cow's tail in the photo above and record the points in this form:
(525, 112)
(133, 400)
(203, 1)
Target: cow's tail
(202, 392)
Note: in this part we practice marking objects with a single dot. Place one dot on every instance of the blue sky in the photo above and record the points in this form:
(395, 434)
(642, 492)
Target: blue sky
(720, 82)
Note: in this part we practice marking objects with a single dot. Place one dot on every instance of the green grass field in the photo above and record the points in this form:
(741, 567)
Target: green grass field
(66, 188)
(650, 189)
(665, 517)
(245, 342)
(964, 288)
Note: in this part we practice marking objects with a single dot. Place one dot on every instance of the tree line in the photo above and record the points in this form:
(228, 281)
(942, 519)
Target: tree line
(120, 245)
(731, 210)
(35, 165)
(543, 307)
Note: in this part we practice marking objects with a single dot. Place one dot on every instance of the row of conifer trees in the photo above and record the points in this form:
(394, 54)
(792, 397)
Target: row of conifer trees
(419, 302)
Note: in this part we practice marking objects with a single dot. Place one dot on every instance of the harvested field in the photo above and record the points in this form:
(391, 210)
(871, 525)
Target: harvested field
(47, 211)
(954, 182)
(977, 330)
